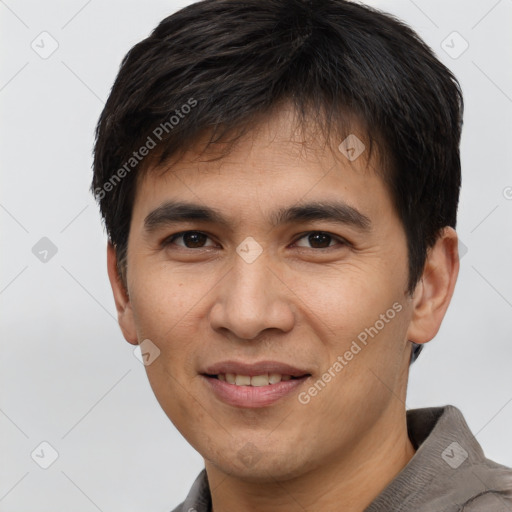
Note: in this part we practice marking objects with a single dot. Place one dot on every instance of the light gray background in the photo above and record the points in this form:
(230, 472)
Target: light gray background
(67, 376)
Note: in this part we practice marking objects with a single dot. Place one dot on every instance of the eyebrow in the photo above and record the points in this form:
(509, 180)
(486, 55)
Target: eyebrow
(340, 212)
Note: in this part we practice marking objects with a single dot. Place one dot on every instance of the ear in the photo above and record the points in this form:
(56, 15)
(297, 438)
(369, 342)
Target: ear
(121, 298)
(435, 289)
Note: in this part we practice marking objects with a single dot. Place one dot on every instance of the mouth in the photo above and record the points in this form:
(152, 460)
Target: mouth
(262, 373)
(253, 385)
(265, 379)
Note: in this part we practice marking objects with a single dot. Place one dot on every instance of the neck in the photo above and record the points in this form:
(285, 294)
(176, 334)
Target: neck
(348, 481)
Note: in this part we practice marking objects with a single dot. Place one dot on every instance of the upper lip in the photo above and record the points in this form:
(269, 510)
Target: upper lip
(253, 369)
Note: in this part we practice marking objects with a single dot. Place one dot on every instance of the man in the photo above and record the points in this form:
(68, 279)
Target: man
(279, 181)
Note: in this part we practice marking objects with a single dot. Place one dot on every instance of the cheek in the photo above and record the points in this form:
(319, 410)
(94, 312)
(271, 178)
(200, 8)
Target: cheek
(347, 298)
(165, 313)
(160, 300)
(362, 318)
(168, 310)
(170, 389)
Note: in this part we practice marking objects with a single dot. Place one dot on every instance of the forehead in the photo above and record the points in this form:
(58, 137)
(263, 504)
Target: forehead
(274, 164)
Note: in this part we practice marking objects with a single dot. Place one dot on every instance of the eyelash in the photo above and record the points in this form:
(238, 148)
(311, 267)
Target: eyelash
(342, 242)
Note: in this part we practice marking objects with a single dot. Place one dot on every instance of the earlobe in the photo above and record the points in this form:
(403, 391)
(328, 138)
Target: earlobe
(121, 298)
(435, 289)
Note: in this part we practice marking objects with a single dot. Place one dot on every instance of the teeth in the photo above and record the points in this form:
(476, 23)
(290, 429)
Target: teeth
(260, 380)
(243, 380)
(273, 378)
(257, 380)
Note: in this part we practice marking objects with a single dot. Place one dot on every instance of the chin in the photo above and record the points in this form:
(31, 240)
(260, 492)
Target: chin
(257, 466)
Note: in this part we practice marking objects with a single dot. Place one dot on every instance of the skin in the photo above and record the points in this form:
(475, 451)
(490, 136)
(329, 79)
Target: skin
(297, 303)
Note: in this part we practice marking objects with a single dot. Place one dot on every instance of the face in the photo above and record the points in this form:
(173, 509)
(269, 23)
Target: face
(312, 298)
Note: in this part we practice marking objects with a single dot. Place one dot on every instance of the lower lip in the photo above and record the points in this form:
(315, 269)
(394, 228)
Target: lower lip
(252, 396)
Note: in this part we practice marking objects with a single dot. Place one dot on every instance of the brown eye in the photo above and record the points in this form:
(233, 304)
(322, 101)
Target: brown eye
(320, 240)
(191, 239)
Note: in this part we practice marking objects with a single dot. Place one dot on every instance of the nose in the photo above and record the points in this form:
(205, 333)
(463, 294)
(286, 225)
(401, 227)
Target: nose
(252, 298)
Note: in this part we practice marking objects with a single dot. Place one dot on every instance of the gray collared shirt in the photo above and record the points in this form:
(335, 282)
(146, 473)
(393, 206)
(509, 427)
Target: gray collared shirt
(448, 473)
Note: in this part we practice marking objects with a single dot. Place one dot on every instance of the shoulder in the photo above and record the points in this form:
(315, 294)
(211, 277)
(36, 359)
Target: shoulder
(450, 471)
(483, 486)
(491, 501)
(198, 498)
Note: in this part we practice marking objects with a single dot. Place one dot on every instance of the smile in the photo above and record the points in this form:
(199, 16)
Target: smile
(266, 379)
(252, 392)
